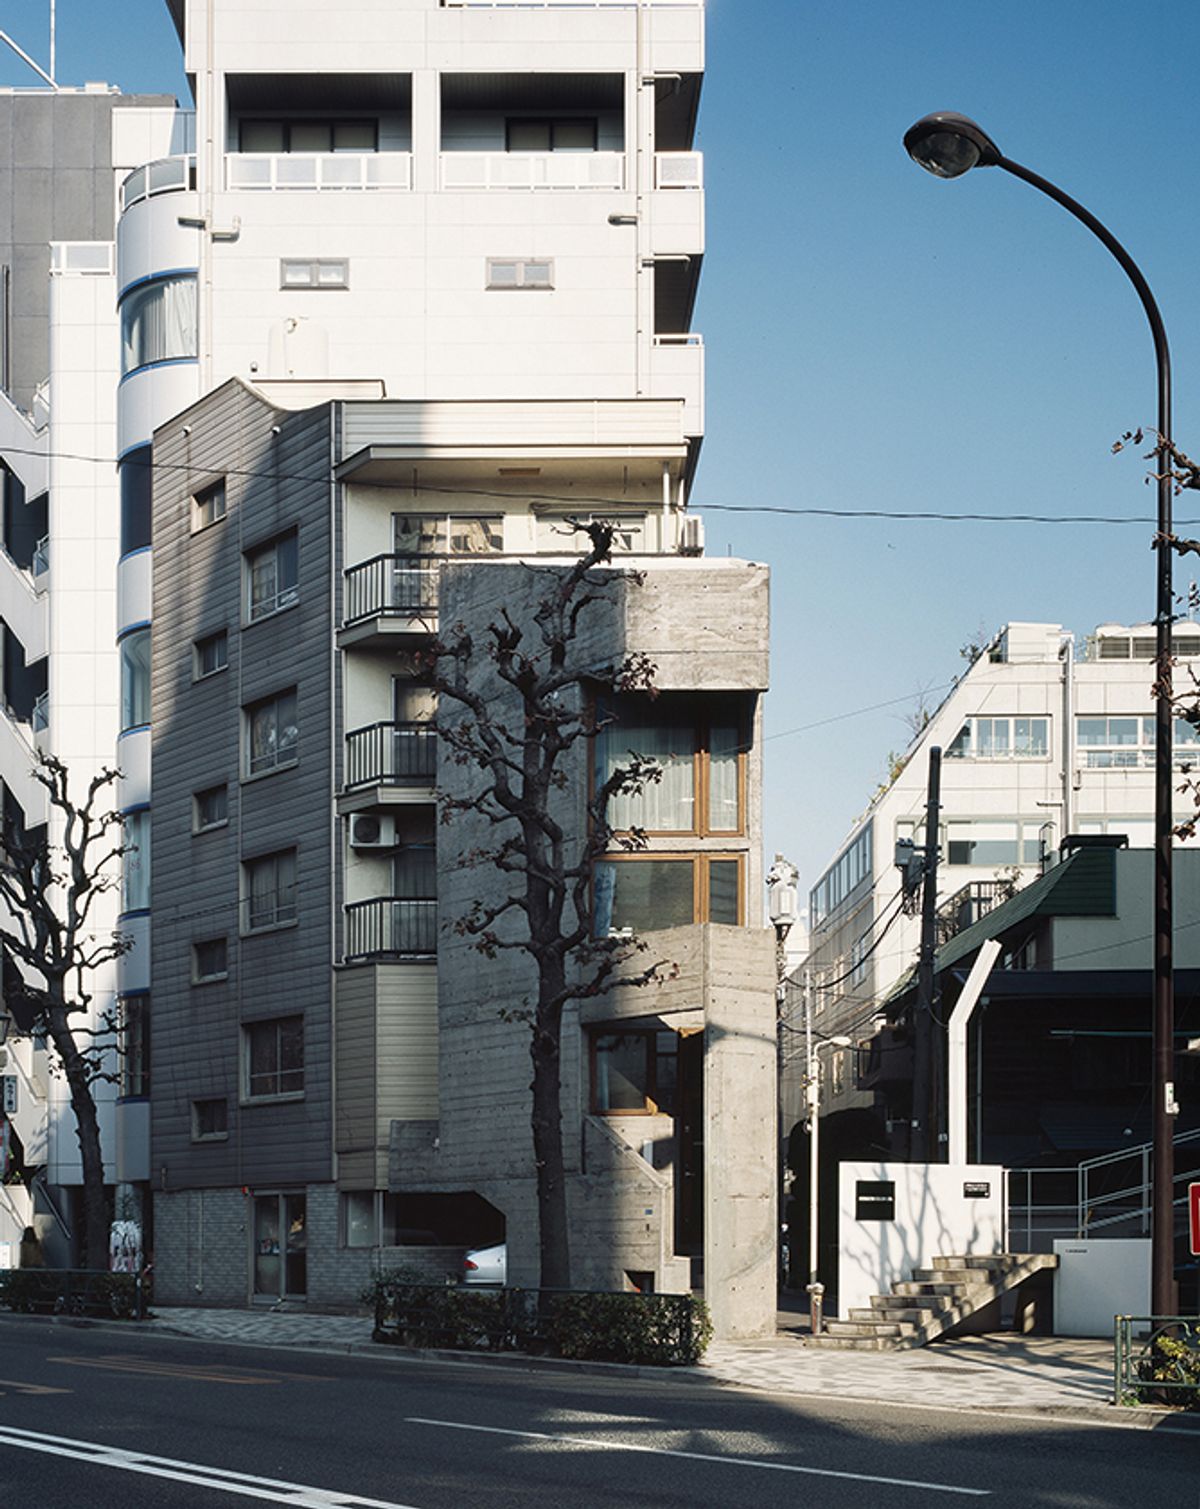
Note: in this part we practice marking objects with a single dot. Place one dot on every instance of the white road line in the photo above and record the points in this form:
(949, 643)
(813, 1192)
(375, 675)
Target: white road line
(277, 1490)
(700, 1456)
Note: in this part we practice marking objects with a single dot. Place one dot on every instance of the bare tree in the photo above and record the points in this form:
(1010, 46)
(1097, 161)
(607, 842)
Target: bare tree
(524, 746)
(48, 892)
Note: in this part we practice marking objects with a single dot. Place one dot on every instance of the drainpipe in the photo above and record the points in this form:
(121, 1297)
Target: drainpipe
(960, 1017)
(1066, 653)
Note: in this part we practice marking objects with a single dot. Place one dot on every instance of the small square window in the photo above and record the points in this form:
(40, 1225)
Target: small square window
(210, 961)
(209, 505)
(211, 654)
(210, 1120)
(272, 576)
(210, 808)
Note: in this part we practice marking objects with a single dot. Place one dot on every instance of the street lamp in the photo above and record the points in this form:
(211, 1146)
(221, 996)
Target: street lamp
(949, 145)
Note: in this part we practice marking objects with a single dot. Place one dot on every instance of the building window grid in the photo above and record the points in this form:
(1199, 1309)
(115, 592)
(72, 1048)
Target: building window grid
(314, 272)
(634, 1072)
(1002, 738)
(210, 1120)
(272, 733)
(209, 505)
(210, 808)
(272, 576)
(520, 273)
(851, 868)
(210, 654)
(669, 890)
(415, 534)
(1127, 742)
(210, 960)
(269, 891)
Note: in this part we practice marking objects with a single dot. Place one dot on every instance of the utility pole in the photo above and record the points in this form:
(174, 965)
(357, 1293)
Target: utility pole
(922, 1146)
(783, 908)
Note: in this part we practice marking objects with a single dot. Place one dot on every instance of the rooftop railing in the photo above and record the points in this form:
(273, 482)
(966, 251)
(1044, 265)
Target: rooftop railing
(166, 175)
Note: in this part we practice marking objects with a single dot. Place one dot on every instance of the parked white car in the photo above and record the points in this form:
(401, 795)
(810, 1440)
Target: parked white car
(486, 1265)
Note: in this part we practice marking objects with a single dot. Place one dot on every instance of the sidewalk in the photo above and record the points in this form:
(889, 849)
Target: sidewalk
(1001, 1372)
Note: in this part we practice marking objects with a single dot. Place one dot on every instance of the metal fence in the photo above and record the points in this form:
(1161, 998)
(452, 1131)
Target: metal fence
(1156, 1360)
(75, 1291)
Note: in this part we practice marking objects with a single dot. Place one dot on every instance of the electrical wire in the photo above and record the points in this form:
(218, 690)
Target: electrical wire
(205, 468)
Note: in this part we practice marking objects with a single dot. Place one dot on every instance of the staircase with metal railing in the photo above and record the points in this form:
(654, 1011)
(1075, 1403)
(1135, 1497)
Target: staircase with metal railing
(1107, 1196)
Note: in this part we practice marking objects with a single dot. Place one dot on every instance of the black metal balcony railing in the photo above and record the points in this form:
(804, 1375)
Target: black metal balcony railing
(968, 905)
(391, 754)
(396, 585)
(391, 927)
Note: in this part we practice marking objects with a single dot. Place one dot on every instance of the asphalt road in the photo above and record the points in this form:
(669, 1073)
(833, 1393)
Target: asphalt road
(97, 1418)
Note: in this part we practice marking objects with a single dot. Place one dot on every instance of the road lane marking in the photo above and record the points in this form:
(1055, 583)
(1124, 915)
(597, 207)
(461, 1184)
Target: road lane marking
(700, 1456)
(30, 1388)
(276, 1490)
(195, 1374)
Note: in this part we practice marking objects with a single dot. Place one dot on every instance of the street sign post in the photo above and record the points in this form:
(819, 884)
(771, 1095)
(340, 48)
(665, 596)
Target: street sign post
(1194, 1218)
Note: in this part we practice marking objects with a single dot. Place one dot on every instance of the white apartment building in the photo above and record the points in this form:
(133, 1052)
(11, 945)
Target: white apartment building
(416, 286)
(1040, 738)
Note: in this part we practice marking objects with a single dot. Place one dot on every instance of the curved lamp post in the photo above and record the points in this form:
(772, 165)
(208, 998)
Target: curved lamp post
(949, 145)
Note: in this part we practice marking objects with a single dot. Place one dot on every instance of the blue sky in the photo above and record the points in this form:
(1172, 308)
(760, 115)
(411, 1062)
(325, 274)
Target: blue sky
(880, 340)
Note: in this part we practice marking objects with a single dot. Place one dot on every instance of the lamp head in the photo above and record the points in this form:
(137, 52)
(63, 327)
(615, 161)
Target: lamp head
(948, 145)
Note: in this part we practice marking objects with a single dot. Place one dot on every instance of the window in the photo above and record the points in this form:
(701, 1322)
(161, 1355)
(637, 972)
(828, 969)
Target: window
(271, 733)
(1127, 743)
(134, 1042)
(210, 808)
(269, 891)
(314, 272)
(361, 1219)
(562, 134)
(634, 1072)
(558, 534)
(1001, 739)
(210, 1120)
(158, 322)
(519, 272)
(274, 1057)
(211, 654)
(696, 744)
(436, 534)
(135, 679)
(859, 951)
(135, 862)
(208, 505)
(210, 960)
(993, 843)
(272, 575)
(848, 871)
(134, 473)
(638, 894)
(308, 136)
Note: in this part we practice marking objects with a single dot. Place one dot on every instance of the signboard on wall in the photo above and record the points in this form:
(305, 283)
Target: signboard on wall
(9, 1101)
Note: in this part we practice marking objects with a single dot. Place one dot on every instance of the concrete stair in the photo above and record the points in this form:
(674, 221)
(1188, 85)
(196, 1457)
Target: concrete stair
(934, 1302)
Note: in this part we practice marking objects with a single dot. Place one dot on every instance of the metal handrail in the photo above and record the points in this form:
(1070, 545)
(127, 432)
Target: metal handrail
(401, 586)
(391, 927)
(391, 754)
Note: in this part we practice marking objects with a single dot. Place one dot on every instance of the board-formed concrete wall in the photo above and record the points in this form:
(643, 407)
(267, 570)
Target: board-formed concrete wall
(704, 626)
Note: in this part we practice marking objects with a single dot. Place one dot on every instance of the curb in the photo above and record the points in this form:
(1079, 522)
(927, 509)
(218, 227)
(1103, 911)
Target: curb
(1172, 1422)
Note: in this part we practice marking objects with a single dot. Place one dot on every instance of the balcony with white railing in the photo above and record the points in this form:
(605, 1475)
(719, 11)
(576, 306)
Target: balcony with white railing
(388, 595)
(533, 170)
(677, 371)
(347, 172)
(167, 175)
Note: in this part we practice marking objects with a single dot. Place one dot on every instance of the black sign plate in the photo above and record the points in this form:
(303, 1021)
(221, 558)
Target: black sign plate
(874, 1200)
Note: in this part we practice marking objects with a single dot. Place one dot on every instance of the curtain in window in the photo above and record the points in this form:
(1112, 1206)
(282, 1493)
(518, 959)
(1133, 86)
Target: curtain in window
(158, 322)
(724, 742)
(135, 863)
(663, 806)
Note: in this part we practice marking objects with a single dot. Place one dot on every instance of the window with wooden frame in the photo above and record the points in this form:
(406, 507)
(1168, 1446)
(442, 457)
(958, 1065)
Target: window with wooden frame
(634, 1072)
(698, 744)
(644, 893)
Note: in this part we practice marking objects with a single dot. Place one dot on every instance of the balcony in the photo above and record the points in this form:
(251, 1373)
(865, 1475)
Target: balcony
(391, 927)
(386, 596)
(319, 171)
(969, 905)
(679, 170)
(167, 175)
(533, 170)
(391, 754)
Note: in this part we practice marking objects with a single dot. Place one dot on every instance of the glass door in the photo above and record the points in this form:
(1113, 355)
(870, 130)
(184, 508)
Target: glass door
(280, 1247)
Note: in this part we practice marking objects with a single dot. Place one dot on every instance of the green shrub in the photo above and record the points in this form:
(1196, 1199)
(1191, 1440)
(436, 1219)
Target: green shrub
(1176, 1365)
(429, 1315)
(655, 1330)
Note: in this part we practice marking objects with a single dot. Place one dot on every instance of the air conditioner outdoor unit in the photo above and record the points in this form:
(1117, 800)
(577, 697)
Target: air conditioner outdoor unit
(691, 535)
(369, 830)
